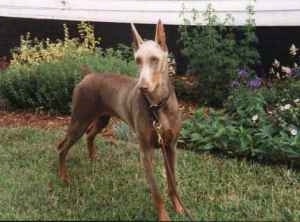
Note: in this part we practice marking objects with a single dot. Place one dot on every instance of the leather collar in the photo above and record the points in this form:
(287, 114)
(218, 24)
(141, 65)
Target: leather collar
(154, 108)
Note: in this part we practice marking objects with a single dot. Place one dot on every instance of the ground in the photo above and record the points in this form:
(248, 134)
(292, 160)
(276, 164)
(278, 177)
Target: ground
(46, 121)
(114, 188)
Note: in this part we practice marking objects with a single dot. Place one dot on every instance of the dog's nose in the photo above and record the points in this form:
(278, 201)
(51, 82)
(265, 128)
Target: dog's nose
(144, 88)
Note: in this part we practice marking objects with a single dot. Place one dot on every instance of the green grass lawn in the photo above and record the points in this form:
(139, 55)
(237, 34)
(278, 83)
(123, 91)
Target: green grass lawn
(114, 187)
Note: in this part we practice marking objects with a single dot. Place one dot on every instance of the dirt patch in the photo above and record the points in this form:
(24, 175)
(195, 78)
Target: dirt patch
(46, 121)
(32, 119)
(41, 120)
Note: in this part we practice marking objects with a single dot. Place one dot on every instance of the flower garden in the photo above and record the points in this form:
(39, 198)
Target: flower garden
(241, 114)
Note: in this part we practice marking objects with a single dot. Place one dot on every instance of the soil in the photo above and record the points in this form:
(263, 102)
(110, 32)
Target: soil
(47, 121)
(22, 118)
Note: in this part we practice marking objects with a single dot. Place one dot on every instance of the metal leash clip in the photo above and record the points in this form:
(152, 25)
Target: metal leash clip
(157, 127)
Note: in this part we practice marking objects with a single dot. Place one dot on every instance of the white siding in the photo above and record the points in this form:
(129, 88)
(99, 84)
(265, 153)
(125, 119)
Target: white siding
(268, 12)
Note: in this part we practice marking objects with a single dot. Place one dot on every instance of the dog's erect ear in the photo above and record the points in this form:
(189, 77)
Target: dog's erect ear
(137, 40)
(160, 36)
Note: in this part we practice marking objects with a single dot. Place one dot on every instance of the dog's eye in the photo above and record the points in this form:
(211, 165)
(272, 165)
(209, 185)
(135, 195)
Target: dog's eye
(138, 61)
(153, 60)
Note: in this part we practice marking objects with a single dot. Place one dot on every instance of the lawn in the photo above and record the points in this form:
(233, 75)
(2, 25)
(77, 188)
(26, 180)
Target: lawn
(114, 187)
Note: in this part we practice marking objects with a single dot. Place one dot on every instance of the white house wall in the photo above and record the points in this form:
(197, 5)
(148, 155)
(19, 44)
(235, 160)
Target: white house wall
(267, 12)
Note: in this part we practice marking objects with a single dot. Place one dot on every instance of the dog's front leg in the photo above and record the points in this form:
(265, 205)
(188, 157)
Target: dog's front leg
(147, 156)
(170, 132)
(171, 155)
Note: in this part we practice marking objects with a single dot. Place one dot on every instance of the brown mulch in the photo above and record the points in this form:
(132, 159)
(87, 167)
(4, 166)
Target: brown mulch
(187, 109)
(32, 119)
(46, 121)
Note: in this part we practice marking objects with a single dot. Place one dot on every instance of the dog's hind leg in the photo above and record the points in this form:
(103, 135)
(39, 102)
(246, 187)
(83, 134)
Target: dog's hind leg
(75, 131)
(96, 127)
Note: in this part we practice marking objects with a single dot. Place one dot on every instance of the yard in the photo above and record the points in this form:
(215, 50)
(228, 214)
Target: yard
(239, 146)
(114, 188)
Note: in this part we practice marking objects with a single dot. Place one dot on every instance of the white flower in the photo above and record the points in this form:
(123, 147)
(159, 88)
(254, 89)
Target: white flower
(254, 118)
(297, 101)
(293, 50)
(286, 70)
(278, 75)
(287, 106)
(293, 132)
(276, 63)
(295, 65)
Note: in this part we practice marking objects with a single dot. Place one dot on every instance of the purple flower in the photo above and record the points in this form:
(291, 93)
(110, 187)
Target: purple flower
(255, 83)
(243, 73)
(296, 72)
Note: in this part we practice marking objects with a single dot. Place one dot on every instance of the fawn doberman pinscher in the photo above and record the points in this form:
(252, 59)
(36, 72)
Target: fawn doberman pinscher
(100, 96)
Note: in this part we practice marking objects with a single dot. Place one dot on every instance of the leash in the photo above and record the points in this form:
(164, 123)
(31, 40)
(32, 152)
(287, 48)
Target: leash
(158, 129)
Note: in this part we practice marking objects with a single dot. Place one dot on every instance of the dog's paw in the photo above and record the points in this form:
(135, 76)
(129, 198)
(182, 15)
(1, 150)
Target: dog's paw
(93, 157)
(163, 216)
(177, 206)
(64, 177)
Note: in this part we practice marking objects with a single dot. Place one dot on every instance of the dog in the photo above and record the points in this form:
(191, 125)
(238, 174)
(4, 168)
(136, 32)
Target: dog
(99, 96)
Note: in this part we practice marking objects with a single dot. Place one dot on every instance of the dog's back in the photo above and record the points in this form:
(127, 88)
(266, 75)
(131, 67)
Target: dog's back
(104, 93)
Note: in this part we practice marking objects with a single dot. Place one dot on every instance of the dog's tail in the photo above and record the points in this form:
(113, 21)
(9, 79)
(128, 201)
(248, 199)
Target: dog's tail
(85, 69)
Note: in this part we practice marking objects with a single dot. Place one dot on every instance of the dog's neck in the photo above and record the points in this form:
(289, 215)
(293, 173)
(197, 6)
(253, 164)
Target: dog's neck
(159, 103)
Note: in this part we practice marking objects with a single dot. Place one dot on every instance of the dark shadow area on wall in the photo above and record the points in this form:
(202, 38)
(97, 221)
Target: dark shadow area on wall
(274, 41)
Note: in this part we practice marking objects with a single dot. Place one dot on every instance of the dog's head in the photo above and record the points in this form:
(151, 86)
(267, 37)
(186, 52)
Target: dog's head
(152, 60)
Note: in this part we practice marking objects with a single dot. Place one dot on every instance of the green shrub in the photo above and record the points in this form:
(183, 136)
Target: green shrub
(125, 52)
(113, 61)
(49, 85)
(262, 123)
(186, 89)
(219, 132)
(42, 74)
(215, 53)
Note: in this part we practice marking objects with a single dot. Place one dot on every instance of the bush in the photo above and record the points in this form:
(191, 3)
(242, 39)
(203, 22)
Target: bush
(186, 89)
(215, 53)
(262, 124)
(49, 85)
(33, 51)
(42, 74)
